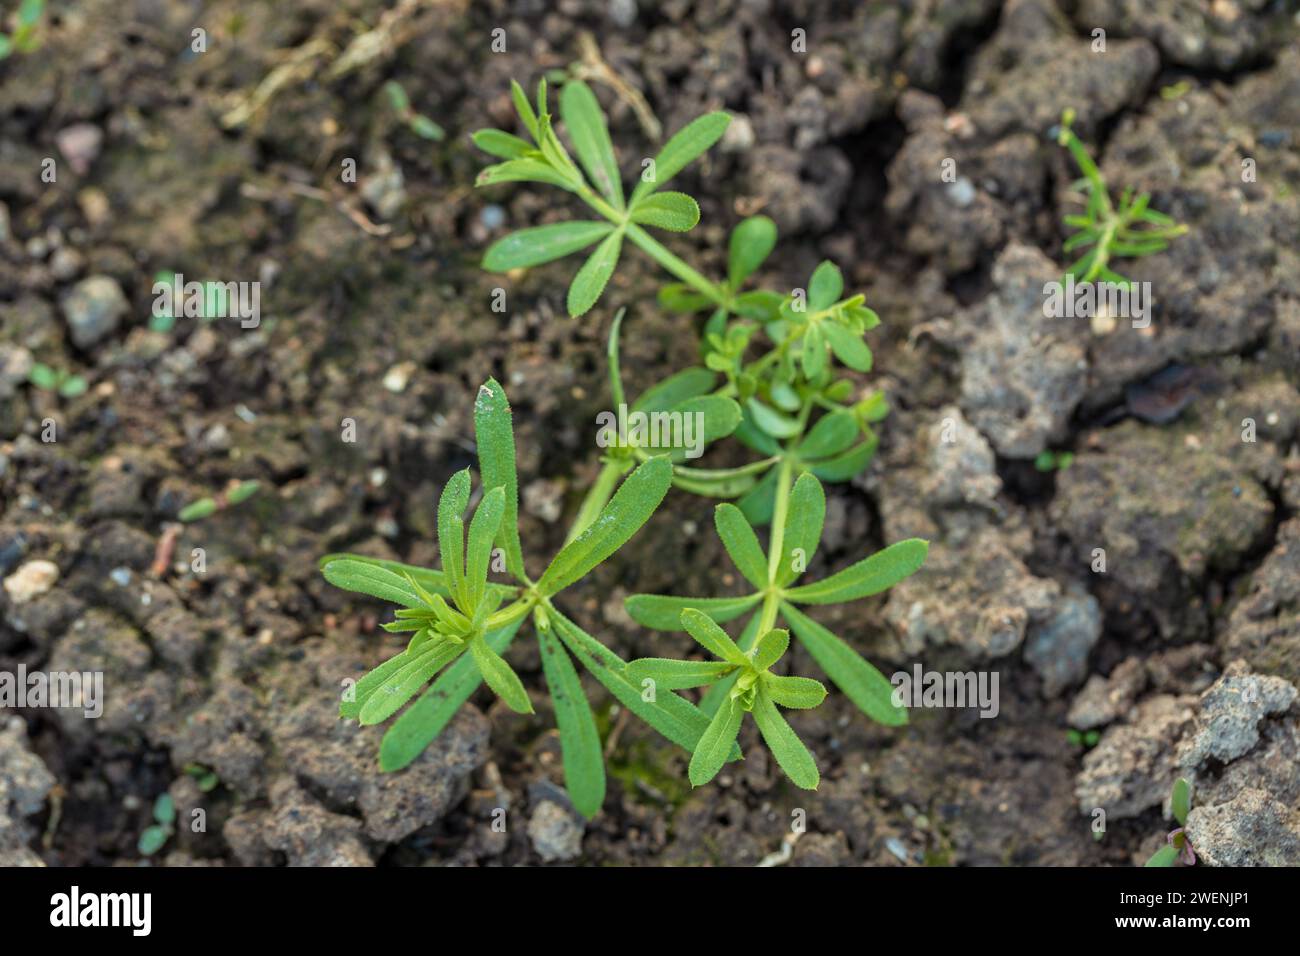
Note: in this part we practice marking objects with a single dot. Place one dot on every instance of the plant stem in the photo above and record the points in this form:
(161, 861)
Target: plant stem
(660, 254)
(784, 479)
(598, 496)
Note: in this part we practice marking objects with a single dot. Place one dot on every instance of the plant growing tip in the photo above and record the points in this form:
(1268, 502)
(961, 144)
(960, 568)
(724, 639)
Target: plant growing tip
(598, 183)
(1178, 848)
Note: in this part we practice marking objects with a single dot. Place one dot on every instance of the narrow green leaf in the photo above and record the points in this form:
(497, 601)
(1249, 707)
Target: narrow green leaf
(751, 243)
(670, 674)
(851, 673)
(712, 637)
(675, 389)
(741, 543)
(500, 676)
(584, 763)
(630, 508)
(846, 464)
(401, 685)
(1165, 856)
(362, 689)
(676, 212)
(482, 530)
(524, 108)
(871, 575)
(715, 743)
(421, 723)
(803, 528)
(665, 613)
(435, 582)
(684, 147)
(675, 717)
(825, 286)
(761, 305)
(832, 434)
(500, 144)
(771, 421)
(374, 581)
(799, 693)
(586, 125)
(526, 170)
(531, 247)
(451, 534)
(848, 346)
(771, 647)
(685, 430)
(592, 278)
(495, 438)
(679, 297)
(714, 486)
(785, 745)
(812, 354)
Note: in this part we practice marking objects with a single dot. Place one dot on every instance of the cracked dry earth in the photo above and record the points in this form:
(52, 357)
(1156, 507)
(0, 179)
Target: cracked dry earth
(1183, 655)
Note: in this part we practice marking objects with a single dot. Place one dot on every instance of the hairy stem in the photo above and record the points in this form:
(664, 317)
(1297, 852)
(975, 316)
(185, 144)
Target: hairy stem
(660, 254)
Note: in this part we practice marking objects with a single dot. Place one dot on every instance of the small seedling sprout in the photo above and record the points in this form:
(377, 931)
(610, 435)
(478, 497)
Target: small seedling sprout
(1129, 229)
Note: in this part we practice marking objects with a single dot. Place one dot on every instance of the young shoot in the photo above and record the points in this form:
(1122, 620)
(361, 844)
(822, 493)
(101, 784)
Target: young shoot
(1130, 229)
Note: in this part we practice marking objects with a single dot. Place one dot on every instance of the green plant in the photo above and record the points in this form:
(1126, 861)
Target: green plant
(753, 689)
(25, 38)
(417, 123)
(1054, 460)
(204, 778)
(1083, 738)
(61, 381)
(1130, 229)
(766, 377)
(207, 304)
(238, 493)
(796, 533)
(155, 836)
(1178, 848)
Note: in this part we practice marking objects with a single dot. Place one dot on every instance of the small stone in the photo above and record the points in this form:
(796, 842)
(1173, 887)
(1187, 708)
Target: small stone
(80, 144)
(31, 581)
(555, 833)
(15, 365)
(739, 136)
(492, 217)
(622, 12)
(399, 376)
(962, 192)
(93, 310)
(66, 263)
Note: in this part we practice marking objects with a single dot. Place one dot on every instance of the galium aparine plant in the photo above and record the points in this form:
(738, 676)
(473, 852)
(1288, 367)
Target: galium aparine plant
(768, 376)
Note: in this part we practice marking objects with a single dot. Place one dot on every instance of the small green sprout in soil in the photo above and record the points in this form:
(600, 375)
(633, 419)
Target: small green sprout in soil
(211, 304)
(238, 493)
(60, 381)
(1130, 230)
(1083, 738)
(26, 37)
(1054, 460)
(769, 374)
(417, 123)
(1178, 849)
(205, 778)
(155, 836)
